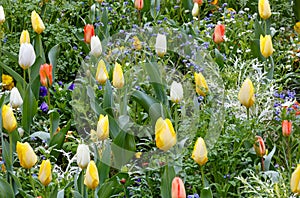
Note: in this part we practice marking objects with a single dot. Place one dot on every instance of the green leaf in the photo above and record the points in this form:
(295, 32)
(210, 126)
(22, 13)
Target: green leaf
(92, 13)
(296, 9)
(112, 186)
(269, 158)
(29, 109)
(6, 189)
(38, 47)
(206, 193)
(10, 55)
(61, 194)
(108, 98)
(54, 192)
(77, 194)
(188, 5)
(104, 164)
(52, 55)
(153, 10)
(219, 59)
(14, 74)
(166, 181)
(55, 121)
(41, 135)
(35, 70)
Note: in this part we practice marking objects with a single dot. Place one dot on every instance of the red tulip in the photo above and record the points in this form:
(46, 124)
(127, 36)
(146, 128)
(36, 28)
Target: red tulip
(286, 128)
(46, 75)
(139, 4)
(178, 190)
(259, 146)
(198, 1)
(219, 34)
(88, 33)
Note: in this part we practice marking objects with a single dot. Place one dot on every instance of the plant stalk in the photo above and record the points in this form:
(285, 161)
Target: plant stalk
(202, 175)
(32, 182)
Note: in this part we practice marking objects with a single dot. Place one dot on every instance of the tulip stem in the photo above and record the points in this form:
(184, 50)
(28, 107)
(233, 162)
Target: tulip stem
(29, 75)
(24, 84)
(271, 71)
(140, 18)
(49, 104)
(248, 116)
(262, 164)
(202, 176)
(10, 154)
(32, 182)
(289, 154)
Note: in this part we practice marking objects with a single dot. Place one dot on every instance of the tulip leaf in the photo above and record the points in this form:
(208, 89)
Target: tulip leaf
(10, 55)
(188, 5)
(14, 74)
(296, 9)
(55, 121)
(108, 98)
(103, 164)
(113, 185)
(38, 47)
(92, 13)
(219, 59)
(52, 55)
(206, 193)
(61, 193)
(29, 109)
(54, 192)
(166, 181)
(6, 189)
(77, 194)
(155, 8)
(35, 69)
(269, 158)
(41, 135)
(6, 155)
(147, 5)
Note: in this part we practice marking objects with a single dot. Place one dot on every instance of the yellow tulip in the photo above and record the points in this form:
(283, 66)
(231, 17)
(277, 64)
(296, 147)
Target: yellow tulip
(101, 74)
(103, 127)
(24, 37)
(91, 179)
(137, 43)
(264, 9)
(297, 27)
(26, 155)
(295, 180)
(7, 82)
(165, 135)
(246, 95)
(45, 175)
(199, 154)
(37, 23)
(118, 77)
(8, 118)
(201, 85)
(266, 47)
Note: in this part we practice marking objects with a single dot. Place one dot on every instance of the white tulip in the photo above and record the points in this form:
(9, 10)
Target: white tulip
(26, 55)
(161, 45)
(2, 15)
(15, 98)
(96, 47)
(176, 93)
(83, 156)
(195, 11)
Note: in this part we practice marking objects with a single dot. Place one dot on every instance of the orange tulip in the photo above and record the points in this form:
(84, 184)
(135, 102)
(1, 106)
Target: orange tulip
(46, 75)
(286, 128)
(259, 146)
(198, 1)
(139, 4)
(88, 33)
(178, 190)
(219, 33)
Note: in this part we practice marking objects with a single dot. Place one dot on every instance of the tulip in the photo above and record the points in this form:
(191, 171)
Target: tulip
(26, 55)
(199, 2)
(101, 74)
(297, 27)
(199, 153)
(161, 45)
(139, 4)
(2, 15)
(259, 146)
(46, 75)
(266, 47)
(96, 47)
(103, 127)
(45, 175)
(176, 93)
(83, 156)
(286, 128)
(264, 9)
(8, 119)
(24, 37)
(7, 82)
(91, 179)
(195, 10)
(15, 98)
(137, 43)
(21, 132)
(246, 95)
(295, 180)
(201, 85)
(118, 77)
(88, 33)
(37, 23)
(165, 135)
(178, 190)
(26, 155)
(214, 2)
(219, 33)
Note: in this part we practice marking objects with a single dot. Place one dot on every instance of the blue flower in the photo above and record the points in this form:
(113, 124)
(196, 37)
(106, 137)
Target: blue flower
(60, 83)
(71, 87)
(43, 91)
(44, 107)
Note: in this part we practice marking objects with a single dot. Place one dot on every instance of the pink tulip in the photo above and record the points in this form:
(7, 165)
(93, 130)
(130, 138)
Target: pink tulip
(219, 34)
(178, 190)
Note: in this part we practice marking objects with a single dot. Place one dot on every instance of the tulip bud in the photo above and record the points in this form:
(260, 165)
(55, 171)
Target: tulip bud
(201, 85)
(264, 9)
(118, 77)
(178, 190)
(195, 10)
(2, 15)
(46, 75)
(83, 156)
(259, 146)
(26, 155)
(297, 27)
(295, 180)
(15, 98)
(37, 23)
(286, 128)
(101, 74)
(91, 179)
(219, 34)
(161, 45)
(137, 43)
(266, 47)
(26, 55)
(8, 119)
(199, 153)
(246, 95)
(45, 175)
(96, 47)
(24, 37)
(199, 2)
(88, 33)
(139, 4)
(176, 93)
(103, 127)
(165, 135)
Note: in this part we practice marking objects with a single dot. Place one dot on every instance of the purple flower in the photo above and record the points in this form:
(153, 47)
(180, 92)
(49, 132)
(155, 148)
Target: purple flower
(44, 107)
(43, 91)
(71, 87)
(60, 83)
